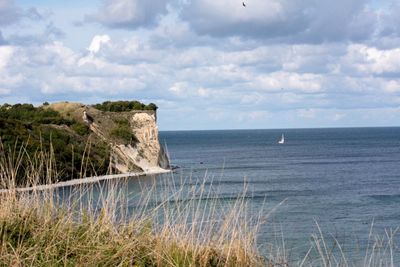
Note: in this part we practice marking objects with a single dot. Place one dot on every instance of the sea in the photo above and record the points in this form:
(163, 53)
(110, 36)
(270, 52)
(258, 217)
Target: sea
(336, 186)
(341, 182)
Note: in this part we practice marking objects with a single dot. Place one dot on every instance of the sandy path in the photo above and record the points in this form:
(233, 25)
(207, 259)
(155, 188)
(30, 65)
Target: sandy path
(87, 180)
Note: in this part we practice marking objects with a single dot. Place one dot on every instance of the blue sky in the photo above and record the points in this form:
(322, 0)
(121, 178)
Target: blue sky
(210, 64)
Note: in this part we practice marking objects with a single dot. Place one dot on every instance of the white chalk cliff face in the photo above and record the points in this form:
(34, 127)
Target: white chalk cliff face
(142, 154)
(146, 153)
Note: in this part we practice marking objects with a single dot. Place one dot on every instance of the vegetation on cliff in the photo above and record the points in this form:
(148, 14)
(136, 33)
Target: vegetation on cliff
(34, 129)
(63, 133)
(122, 132)
(122, 106)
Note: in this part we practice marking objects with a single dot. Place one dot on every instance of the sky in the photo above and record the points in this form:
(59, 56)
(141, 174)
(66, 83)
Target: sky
(210, 64)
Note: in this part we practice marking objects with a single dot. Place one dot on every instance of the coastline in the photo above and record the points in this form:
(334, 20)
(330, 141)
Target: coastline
(88, 180)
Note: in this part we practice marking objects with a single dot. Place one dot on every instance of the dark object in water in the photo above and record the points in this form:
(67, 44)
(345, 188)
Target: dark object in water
(175, 167)
(201, 162)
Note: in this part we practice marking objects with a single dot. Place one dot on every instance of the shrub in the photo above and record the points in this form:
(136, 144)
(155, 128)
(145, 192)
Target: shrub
(151, 106)
(23, 126)
(123, 133)
(27, 113)
(80, 128)
(122, 106)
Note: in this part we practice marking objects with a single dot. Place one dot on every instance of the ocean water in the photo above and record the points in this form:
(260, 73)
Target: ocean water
(346, 180)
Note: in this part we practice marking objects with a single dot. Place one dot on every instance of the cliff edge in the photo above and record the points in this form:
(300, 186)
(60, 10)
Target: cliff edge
(132, 136)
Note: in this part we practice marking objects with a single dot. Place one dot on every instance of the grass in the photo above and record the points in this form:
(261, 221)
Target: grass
(104, 224)
(33, 130)
(96, 225)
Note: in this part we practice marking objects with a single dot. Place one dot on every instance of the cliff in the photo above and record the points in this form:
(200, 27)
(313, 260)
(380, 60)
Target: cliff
(132, 136)
(65, 141)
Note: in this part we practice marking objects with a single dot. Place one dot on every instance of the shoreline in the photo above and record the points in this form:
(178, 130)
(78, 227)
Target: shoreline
(88, 180)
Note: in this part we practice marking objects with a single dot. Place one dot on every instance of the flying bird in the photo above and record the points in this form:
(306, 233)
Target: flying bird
(243, 4)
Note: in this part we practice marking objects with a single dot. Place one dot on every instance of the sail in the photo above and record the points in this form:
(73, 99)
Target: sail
(282, 141)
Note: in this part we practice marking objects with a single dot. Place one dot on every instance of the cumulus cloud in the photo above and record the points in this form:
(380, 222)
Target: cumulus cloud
(307, 82)
(308, 61)
(371, 60)
(129, 14)
(9, 12)
(307, 113)
(6, 53)
(309, 21)
(87, 85)
(9, 79)
(4, 91)
(2, 40)
(179, 88)
(24, 26)
(200, 77)
(97, 41)
(253, 116)
(33, 14)
(390, 20)
(52, 31)
(392, 86)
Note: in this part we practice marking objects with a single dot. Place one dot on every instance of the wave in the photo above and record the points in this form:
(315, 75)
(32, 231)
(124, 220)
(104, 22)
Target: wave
(385, 197)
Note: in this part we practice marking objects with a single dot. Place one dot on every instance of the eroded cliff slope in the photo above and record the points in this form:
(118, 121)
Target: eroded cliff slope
(132, 136)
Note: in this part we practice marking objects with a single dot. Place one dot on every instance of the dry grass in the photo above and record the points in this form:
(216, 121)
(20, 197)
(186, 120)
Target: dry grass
(97, 225)
(104, 224)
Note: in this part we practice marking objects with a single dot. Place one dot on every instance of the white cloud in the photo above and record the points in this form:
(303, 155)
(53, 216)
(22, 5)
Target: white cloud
(308, 21)
(129, 13)
(97, 42)
(390, 20)
(5, 55)
(253, 116)
(338, 116)
(9, 12)
(179, 88)
(307, 113)
(371, 60)
(307, 62)
(4, 91)
(392, 86)
(203, 92)
(90, 85)
(2, 40)
(252, 98)
(8, 79)
(284, 81)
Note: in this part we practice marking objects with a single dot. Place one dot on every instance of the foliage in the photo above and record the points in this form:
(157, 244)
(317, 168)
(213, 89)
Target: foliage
(34, 129)
(168, 224)
(123, 132)
(96, 225)
(151, 106)
(80, 128)
(121, 106)
(27, 113)
(71, 153)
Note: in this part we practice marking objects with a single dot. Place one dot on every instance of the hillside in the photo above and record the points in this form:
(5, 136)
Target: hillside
(82, 140)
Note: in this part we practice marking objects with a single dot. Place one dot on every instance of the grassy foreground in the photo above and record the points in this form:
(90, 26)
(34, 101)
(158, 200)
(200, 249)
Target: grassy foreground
(99, 225)
(33, 231)
(96, 225)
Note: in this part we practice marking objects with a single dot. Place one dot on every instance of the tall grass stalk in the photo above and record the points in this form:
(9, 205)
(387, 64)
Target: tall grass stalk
(175, 222)
(103, 224)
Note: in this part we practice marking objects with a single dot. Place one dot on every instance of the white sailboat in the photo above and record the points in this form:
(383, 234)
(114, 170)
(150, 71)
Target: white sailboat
(282, 141)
